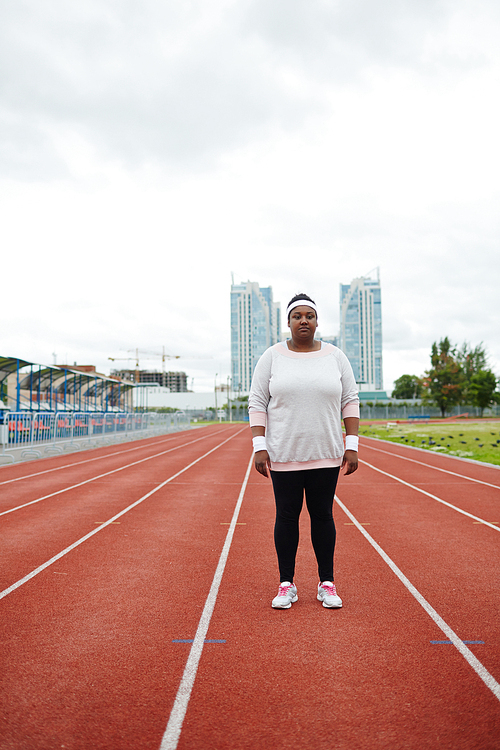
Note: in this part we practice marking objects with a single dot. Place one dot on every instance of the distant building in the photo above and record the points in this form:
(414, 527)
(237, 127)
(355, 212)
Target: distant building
(361, 330)
(255, 326)
(175, 381)
(328, 339)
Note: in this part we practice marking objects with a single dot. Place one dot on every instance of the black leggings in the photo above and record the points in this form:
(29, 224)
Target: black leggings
(319, 486)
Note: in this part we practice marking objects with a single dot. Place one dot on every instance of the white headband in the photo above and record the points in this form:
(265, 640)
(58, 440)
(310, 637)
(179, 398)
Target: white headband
(299, 302)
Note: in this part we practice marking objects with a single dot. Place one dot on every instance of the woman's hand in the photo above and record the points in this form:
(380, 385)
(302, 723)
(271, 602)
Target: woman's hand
(351, 461)
(262, 462)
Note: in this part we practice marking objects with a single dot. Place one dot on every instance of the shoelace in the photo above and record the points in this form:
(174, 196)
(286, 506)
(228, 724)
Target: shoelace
(329, 589)
(283, 590)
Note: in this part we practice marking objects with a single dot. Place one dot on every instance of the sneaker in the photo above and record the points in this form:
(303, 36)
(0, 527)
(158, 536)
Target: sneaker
(327, 593)
(287, 593)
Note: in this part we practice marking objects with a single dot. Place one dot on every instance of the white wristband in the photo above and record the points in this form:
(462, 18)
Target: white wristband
(259, 443)
(351, 442)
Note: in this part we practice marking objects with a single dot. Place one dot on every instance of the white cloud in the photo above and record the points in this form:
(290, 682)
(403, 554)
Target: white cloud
(150, 150)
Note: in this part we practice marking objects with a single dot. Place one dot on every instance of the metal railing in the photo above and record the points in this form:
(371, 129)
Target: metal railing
(34, 434)
(393, 410)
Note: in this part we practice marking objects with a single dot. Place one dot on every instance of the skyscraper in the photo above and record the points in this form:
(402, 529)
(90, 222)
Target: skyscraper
(255, 325)
(361, 330)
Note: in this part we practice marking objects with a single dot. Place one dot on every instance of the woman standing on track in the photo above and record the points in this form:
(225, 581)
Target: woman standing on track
(301, 390)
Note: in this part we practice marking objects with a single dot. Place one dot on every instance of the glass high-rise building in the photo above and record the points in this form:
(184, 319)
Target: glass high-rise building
(361, 330)
(255, 325)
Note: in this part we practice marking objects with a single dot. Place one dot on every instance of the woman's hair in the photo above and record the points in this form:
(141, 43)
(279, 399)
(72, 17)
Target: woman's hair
(300, 296)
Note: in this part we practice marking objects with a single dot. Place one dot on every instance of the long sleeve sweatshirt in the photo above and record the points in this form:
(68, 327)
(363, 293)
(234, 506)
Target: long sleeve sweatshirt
(301, 398)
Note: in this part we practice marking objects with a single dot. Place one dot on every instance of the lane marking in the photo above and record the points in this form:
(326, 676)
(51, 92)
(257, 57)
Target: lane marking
(490, 522)
(79, 463)
(107, 474)
(191, 640)
(99, 458)
(434, 497)
(228, 523)
(449, 643)
(429, 466)
(174, 726)
(83, 539)
(476, 665)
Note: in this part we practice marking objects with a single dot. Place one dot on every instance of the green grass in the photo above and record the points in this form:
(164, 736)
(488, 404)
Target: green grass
(477, 440)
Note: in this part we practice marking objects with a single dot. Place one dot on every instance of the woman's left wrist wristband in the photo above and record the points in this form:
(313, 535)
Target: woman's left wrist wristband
(351, 443)
(259, 443)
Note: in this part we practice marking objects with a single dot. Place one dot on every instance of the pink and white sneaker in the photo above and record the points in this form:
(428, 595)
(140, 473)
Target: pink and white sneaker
(287, 593)
(327, 593)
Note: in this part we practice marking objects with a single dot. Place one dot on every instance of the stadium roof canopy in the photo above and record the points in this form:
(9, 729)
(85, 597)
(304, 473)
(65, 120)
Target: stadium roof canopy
(8, 365)
(62, 388)
(42, 379)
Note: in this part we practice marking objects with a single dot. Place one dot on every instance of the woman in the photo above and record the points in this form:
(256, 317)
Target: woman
(301, 389)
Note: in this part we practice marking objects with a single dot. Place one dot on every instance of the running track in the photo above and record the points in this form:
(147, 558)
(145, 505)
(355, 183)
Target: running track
(136, 583)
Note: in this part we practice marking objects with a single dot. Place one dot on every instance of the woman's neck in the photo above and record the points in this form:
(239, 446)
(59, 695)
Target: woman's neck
(304, 346)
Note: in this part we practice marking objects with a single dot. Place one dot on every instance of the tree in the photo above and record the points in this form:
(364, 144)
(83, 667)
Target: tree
(481, 389)
(407, 386)
(472, 361)
(444, 382)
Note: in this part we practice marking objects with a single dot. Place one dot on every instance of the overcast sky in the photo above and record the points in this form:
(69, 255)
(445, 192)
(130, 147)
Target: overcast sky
(151, 148)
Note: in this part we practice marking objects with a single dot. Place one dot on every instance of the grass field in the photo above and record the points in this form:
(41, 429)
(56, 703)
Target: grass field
(478, 440)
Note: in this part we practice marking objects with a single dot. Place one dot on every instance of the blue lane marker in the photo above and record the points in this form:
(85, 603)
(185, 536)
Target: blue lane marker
(450, 642)
(190, 640)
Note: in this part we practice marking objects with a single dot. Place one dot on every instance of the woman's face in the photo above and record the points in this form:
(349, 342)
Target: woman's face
(303, 322)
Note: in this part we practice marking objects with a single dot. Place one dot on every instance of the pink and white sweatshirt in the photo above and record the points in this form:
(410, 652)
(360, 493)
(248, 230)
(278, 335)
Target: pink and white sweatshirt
(301, 398)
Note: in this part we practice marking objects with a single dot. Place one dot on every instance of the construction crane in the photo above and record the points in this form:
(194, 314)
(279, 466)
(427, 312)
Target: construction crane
(164, 357)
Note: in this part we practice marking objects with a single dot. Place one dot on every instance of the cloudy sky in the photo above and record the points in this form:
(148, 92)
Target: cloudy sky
(150, 149)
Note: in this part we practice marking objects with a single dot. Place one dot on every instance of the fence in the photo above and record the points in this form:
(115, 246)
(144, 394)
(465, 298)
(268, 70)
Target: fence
(381, 410)
(237, 414)
(33, 434)
(404, 411)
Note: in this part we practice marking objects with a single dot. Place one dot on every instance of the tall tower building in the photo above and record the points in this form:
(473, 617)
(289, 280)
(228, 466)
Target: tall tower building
(255, 325)
(361, 330)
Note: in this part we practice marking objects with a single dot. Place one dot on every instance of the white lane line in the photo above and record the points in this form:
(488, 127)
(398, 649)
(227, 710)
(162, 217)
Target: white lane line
(174, 726)
(106, 474)
(434, 497)
(79, 463)
(450, 634)
(73, 546)
(100, 458)
(429, 466)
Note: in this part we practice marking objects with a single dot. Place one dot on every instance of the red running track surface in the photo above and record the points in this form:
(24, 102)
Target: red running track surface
(136, 584)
